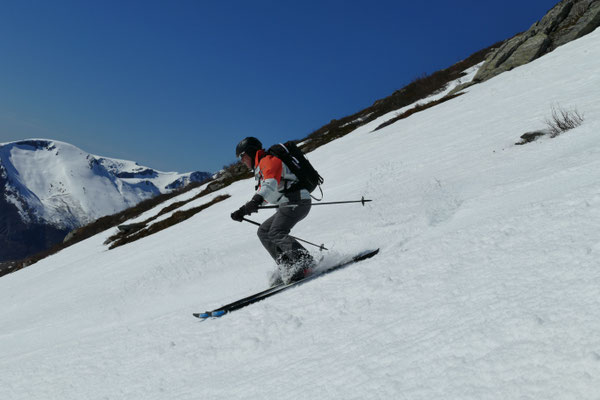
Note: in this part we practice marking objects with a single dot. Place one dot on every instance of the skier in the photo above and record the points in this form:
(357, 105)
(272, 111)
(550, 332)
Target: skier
(273, 177)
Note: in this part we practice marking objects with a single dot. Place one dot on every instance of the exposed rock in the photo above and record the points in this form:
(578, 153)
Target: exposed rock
(70, 235)
(20, 239)
(127, 228)
(567, 21)
(216, 185)
(142, 173)
(37, 144)
(197, 176)
(530, 137)
(583, 19)
(7, 267)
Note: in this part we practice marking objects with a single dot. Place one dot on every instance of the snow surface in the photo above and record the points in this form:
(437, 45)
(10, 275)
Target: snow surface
(487, 285)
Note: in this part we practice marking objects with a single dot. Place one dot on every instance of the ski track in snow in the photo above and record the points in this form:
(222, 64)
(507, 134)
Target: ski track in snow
(487, 284)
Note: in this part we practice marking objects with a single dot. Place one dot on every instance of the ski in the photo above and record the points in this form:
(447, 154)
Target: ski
(236, 305)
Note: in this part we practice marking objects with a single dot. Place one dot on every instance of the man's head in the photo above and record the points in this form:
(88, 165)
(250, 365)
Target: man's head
(246, 150)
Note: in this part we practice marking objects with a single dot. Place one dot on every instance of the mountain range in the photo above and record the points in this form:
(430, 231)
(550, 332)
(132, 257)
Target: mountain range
(50, 188)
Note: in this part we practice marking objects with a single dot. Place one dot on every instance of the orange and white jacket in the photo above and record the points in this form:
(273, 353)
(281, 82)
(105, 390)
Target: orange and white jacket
(273, 177)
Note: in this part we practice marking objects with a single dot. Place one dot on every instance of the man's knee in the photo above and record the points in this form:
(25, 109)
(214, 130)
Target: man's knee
(277, 234)
(262, 233)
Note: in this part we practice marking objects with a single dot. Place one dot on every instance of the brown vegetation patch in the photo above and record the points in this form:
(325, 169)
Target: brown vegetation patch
(418, 89)
(176, 218)
(417, 108)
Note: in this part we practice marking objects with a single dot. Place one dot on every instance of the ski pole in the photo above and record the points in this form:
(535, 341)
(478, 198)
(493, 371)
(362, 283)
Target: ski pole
(321, 247)
(363, 201)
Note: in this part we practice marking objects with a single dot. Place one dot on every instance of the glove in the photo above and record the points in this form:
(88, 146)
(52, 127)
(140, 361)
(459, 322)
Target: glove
(238, 215)
(248, 208)
(252, 205)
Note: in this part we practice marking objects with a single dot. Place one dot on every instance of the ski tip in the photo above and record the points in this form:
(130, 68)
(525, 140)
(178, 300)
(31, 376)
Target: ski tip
(366, 254)
(210, 314)
(218, 313)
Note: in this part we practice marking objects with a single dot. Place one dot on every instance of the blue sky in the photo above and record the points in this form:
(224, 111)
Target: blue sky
(174, 85)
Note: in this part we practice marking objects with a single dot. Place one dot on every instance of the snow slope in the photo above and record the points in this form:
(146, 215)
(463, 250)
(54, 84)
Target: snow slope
(487, 285)
(66, 187)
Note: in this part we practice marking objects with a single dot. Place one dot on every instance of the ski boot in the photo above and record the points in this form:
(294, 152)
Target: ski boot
(299, 265)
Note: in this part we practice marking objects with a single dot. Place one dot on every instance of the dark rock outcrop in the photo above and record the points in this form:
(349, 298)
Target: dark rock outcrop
(142, 173)
(19, 239)
(567, 21)
(197, 176)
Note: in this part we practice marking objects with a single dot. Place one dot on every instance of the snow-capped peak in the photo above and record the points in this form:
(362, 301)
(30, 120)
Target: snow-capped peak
(60, 184)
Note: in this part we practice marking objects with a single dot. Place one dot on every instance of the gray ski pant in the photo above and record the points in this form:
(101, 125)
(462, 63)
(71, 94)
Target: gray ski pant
(274, 232)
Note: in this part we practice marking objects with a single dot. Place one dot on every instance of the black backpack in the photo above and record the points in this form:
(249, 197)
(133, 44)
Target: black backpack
(295, 160)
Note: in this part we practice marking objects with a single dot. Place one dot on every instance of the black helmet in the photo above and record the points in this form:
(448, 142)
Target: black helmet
(250, 146)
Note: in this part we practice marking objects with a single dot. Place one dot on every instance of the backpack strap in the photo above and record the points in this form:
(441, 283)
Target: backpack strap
(321, 190)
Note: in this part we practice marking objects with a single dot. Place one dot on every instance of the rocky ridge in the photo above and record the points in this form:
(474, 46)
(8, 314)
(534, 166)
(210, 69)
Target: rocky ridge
(567, 21)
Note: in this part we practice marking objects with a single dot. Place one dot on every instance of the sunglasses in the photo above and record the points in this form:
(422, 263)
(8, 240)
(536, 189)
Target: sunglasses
(242, 154)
